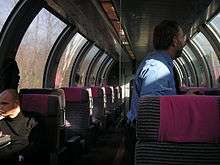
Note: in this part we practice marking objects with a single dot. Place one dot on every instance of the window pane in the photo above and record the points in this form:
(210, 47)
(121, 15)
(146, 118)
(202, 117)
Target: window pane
(96, 68)
(180, 73)
(106, 67)
(210, 55)
(67, 60)
(6, 8)
(215, 23)
(35, 47)
(187, 69)
(200, 69)
(84, 65)
(190, 69)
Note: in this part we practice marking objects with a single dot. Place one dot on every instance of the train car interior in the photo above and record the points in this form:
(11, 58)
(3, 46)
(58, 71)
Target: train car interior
(73, 63)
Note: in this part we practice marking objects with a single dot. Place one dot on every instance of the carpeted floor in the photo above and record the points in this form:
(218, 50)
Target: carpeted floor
(108, 150)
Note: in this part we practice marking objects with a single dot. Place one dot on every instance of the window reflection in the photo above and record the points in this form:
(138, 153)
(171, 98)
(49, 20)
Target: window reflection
(209, 54)
(96, 68)
(105, 70)
(189, 71)
(200, 68)
(180, 73)
(84, 65)
(67, 60)
(35, 47)
(215, 24)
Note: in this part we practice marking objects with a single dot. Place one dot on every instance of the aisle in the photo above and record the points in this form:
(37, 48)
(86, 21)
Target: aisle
(105, 151)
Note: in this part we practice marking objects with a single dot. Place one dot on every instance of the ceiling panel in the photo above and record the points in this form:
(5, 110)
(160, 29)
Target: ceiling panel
(140, 16)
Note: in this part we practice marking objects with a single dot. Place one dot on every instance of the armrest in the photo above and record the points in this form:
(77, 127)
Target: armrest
(73, 140)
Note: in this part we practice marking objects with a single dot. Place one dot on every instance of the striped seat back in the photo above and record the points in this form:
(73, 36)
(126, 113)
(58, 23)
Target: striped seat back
(149, 150)
(77, 112)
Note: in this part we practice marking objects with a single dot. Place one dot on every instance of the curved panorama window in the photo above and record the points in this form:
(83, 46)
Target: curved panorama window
(35, 47)
(6, 8)
(191, 76)
(84, 65)
(105, 71)
(200, 69)
(96, 68)
(67, 60)
(214, 24)
(180, 73)
(209, 55)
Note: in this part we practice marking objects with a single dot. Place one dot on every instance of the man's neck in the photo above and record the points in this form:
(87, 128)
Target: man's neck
(171, 52)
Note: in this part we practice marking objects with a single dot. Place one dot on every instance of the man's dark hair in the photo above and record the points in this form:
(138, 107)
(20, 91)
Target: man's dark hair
(164, 33)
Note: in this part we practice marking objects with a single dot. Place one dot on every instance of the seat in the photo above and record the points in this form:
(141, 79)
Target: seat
(98, 105)
(58, 92)
(77, 112)
(151, 148)
(46, 110)
(109, 106)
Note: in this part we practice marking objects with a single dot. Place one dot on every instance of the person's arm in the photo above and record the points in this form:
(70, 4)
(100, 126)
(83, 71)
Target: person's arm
(157, 83)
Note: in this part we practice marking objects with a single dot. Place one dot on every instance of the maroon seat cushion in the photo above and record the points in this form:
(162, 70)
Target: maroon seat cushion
(189, 118)
(97, 92)
(76, 94)
(35, 103)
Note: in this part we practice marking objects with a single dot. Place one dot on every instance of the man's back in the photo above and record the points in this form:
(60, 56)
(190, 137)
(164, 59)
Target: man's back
(154, 77)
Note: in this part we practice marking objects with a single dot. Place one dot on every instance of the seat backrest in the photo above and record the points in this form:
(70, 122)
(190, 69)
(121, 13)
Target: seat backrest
(90, 100)
(77, 111)
(148, 118)
(51, 91)
(109, 99)
(104, 97)
(48, 107)
(187, 118)
(182, 115)
(98, 102)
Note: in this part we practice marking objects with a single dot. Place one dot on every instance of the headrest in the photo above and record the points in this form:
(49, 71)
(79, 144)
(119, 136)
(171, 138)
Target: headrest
(35, 103)
(97, 91)
(57, 92)
(76, 94)
(189, 118)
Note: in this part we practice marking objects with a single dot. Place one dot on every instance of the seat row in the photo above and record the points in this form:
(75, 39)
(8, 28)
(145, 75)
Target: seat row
(71, 117)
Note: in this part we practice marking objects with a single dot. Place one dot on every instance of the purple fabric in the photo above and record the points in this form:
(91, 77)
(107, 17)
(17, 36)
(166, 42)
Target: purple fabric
(35, 103)
(97, 92)
(189, 119)
(75, 94)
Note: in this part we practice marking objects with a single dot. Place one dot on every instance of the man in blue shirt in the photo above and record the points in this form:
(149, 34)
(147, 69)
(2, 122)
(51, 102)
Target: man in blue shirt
(155, 74)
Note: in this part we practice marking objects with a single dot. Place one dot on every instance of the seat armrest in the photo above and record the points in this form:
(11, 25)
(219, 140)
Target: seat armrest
(73, 140)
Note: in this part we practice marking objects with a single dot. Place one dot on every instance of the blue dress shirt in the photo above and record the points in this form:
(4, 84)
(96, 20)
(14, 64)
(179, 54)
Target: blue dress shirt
(153, 77)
